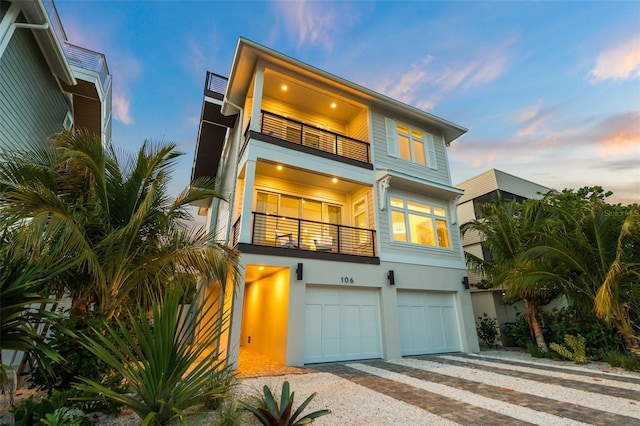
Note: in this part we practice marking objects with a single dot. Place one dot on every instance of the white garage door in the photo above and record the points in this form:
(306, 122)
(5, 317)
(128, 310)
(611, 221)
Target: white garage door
(428, 322)
(341, 324)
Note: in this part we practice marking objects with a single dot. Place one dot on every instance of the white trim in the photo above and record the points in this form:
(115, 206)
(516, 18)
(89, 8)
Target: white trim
(8, 27)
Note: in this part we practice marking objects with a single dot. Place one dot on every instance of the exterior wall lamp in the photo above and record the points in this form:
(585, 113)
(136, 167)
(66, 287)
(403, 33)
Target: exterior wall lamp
(391, 277)
(465, 282)
(299, 272)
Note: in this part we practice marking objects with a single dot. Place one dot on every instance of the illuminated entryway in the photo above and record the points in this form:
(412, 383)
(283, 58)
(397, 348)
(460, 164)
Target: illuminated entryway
(341, 324)
(265, 311)
(428, 322)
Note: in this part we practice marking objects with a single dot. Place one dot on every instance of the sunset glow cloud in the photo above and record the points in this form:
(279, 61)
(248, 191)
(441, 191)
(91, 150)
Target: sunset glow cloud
(619, 62)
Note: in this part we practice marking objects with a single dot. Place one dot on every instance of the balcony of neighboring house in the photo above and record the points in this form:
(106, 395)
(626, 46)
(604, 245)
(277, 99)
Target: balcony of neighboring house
(298, 213)
(92, 93)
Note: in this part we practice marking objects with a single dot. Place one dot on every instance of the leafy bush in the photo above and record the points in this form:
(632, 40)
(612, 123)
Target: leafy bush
(272, 413)
(488, 330)
(64, 338)
(577, 344)
(167, 369)
(621, 359)
(519, 332)
(49, 411)
(599, 335)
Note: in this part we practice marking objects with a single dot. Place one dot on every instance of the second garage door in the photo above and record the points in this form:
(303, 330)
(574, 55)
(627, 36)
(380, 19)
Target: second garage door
(341, 324)
(428, 322)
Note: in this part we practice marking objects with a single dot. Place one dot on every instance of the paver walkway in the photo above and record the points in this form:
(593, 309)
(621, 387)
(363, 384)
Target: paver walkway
(458, 374)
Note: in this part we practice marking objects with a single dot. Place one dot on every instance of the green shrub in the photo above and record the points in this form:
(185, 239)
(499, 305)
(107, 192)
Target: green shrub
(535, 351)
(273, 413)
(621, 359)
(488, 330)
(31, 412)
(168, 371)
(577, 344)
(599, 335)
(519, 332)
(64, 338)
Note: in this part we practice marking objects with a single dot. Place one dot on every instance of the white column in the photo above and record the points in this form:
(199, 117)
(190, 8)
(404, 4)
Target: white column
(246, 219)
(258, 84)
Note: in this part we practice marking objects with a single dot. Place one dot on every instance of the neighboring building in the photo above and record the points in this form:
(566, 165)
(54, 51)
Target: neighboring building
(341, 204)
(46, 83)
(479, 190)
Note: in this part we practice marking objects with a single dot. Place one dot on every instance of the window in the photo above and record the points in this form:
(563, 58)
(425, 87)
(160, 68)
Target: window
(410, 144)
(419, 223)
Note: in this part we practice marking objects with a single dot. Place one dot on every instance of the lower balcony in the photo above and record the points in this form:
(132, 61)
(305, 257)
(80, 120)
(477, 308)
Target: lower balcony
(284, 236)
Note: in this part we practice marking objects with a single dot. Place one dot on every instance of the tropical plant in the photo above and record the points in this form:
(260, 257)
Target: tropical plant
(274, 413)
(576, 349)
(594, 256)
(621, 359)
(22, 305)
(166, 358)
(76, 199)
(508, 229)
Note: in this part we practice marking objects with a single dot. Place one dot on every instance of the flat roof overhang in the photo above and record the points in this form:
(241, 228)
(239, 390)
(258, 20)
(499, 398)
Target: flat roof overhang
(244, 64)
(211, 137)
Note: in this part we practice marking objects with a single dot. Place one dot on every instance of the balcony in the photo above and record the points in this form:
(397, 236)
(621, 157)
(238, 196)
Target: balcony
(294, 134)
(284, 236)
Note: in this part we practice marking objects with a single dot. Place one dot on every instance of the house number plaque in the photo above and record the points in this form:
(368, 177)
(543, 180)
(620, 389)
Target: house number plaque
(347, 280)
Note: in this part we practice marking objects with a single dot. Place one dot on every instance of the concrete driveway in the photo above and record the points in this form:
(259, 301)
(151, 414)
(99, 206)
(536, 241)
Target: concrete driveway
(487, 389)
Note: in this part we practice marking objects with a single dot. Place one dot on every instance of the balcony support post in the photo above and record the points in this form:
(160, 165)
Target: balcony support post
(258, 85)
(246, 228)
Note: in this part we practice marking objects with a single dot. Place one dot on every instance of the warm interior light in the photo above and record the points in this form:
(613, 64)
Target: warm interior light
(334, 180)
(333, 105)
(279, 167)
(261, 268)
(284, 87)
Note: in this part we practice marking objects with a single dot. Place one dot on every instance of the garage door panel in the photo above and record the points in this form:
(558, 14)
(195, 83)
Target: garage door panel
(428, 322)
(349, 330)
(312, 334)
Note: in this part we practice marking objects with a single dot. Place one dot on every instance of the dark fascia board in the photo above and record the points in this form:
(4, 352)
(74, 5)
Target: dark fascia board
(248, 52)
(304, 254)
(51, 47)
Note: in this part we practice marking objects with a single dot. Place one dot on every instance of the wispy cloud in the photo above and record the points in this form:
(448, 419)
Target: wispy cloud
(618, 62)
(619, 134)
(314, 22)
(533, 120)
(121, 109)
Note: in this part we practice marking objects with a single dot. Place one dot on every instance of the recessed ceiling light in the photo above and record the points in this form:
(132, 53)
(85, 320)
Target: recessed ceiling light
(284, 87)
(279, 167)
(261, 268)
(333, 105)
(334, 180)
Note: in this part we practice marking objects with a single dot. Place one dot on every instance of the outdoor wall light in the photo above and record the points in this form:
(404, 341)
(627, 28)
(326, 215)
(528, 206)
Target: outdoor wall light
(465, 282)
(299, 272)
(391, 278)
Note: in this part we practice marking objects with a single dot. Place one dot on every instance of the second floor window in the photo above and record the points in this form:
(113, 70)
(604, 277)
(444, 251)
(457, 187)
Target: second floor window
(419, 223)
(410, 144)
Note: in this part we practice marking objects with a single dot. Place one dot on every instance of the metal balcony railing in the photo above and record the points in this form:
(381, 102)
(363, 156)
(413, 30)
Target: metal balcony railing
(283, 232)
(216, 83)
(79, 56)
(302, 134)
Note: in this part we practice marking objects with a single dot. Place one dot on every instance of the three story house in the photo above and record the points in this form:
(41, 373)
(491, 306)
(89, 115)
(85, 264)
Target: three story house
(340, 202)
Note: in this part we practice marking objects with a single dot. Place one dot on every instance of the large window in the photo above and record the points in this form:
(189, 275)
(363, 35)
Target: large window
(410, 144)
(419, 223)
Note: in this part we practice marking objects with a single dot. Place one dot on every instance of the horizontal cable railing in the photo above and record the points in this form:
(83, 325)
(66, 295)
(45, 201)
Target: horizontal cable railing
(302, 134)
(216, 83)
(279, 231)
(235, 233)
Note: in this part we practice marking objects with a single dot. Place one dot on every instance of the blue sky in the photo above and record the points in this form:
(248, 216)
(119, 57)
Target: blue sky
(550, 91)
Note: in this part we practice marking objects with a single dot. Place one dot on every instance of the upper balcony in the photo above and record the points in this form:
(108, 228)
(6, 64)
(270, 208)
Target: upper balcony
(303, 137)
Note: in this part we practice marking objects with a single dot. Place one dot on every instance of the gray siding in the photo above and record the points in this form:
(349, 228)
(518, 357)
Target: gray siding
(384, 161)
(32, 106)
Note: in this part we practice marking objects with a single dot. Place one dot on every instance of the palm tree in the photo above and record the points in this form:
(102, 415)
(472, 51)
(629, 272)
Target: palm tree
(508, 229)
(595, 256)
(75, 199)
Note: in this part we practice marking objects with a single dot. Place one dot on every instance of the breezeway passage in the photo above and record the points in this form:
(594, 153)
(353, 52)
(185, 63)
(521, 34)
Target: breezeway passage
(469, 389)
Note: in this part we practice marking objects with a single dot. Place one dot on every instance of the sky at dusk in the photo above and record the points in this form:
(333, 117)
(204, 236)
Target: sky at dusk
(550, 91)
